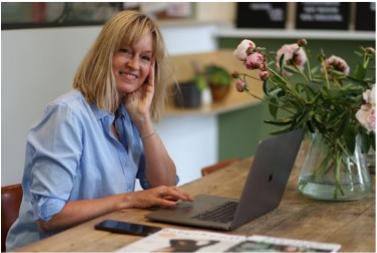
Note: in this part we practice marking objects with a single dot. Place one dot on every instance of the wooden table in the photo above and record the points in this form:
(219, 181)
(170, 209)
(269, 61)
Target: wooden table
(351, 224)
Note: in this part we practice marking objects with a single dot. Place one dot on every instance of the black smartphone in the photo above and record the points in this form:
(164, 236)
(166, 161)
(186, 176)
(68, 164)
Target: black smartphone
(126, 228)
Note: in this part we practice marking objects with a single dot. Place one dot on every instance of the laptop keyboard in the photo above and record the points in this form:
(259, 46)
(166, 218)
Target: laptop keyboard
(222, 213)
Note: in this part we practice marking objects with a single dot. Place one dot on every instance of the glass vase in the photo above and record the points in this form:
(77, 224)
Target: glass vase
(328, 173)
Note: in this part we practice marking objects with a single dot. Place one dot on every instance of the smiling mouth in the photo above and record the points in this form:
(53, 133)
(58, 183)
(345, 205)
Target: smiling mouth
(128, 76)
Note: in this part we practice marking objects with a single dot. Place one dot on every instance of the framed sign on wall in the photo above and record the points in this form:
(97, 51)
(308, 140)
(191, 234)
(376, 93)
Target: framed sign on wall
(261, 15)
(323, 15)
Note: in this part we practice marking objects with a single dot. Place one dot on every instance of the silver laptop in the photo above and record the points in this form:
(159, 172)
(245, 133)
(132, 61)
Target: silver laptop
(262, 193)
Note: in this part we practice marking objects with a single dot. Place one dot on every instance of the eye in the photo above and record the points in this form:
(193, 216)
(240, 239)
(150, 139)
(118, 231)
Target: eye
(125, 51)
(146, 58)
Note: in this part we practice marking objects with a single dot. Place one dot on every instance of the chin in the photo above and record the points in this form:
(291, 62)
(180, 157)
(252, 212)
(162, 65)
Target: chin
(125, 89)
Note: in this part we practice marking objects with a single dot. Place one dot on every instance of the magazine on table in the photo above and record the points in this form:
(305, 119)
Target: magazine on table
(176, 240)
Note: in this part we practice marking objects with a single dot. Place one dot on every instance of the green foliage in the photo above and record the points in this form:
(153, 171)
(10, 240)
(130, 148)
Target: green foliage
(212, 75)
(200, 81)
(217, 75)
(320, 99)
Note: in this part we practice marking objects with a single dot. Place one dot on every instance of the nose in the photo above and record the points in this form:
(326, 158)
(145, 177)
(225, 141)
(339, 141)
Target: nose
(133, 63)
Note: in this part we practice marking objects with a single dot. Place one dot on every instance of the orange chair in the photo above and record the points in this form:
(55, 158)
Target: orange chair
(215, 167)
(11, 197)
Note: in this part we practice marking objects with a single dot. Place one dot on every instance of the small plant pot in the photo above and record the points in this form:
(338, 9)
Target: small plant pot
(219, 93)
(187, 95)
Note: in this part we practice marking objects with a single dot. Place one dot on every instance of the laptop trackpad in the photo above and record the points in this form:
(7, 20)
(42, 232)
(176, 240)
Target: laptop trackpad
(186, 210)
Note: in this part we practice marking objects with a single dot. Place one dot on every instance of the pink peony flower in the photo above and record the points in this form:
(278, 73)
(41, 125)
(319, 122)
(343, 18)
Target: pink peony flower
(263, 66)
(240, 85)
(235, 74)
(302, 42)
(263, 75)
(254, 60)
(366, 115)
(293, 55)
(370, 96)
(370, 50)
(338, 64)
(242, 49)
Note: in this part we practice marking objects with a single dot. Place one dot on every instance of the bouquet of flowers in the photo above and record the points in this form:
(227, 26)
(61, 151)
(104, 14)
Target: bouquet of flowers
(324, 99)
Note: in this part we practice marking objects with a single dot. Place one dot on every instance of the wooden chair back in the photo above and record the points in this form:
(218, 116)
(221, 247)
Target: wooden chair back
(11, 197)
(215, 167)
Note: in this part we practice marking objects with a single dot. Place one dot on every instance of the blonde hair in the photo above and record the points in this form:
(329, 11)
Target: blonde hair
(95, 78)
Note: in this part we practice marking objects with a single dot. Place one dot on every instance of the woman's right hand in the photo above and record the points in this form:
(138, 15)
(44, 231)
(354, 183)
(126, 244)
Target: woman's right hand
(77, 211)
(165, 196)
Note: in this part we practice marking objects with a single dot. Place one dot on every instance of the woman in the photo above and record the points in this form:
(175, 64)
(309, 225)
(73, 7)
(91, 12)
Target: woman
(84, 155)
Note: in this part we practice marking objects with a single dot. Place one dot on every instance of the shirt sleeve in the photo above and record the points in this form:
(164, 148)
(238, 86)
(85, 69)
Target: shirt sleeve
(56, 150)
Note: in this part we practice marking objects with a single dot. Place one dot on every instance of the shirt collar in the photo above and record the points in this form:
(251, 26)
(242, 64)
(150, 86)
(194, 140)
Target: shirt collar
(101, 113)
(122, 111)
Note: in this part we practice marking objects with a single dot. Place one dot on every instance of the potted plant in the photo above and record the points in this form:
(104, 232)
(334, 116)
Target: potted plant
(219, 80)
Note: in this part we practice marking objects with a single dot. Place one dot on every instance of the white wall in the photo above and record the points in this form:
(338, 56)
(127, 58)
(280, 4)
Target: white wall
(38, 65)
(192, 143)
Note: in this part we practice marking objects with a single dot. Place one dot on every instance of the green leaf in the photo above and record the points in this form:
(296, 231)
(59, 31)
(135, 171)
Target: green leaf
(281, 61)
(310, 126)
(357, 81)
(307, 90)
(359, 72)
(342, 127)
(372, 138)
(201, 82)
(273, 107)
(282, 131)
(318, 118)
(317, 80)
(280, 122)
(348, 87)
(367, 139)
(315, 70)
(281, 93)
(278, 79)
(264, 87)
(296, 104)
(335, 72)
(349, 135)
(274, 92)
(291, 69)
(358, 53)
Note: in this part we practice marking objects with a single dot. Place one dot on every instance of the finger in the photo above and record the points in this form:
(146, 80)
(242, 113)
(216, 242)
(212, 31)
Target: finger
(132, 96)
(151, 74)
(166, 202)
(178, 194)
(183, 193)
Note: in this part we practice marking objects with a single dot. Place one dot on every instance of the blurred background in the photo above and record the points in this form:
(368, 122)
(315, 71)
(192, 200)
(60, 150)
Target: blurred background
(42, 44)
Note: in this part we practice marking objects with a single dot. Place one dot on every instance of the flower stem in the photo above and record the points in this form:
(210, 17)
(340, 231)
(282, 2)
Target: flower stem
(246, 75)
(326, 73)
(301, 72)
(289, 87)
(252, 94)
(308, 64)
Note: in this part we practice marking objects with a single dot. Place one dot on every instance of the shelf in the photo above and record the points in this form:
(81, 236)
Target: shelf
(294, 34)
(233, 102)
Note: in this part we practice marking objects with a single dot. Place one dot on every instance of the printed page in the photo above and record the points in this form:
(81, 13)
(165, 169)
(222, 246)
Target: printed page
(273, 244)
(174, 240)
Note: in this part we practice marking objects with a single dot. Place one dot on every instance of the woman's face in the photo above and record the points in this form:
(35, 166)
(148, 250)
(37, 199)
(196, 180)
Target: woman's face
(132, 63)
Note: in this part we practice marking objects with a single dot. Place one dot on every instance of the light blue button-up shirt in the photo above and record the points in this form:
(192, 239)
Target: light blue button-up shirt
(71, 154)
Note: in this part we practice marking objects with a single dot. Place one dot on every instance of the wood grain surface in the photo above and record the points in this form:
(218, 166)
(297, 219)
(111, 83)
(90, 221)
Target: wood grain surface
(351, 224)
